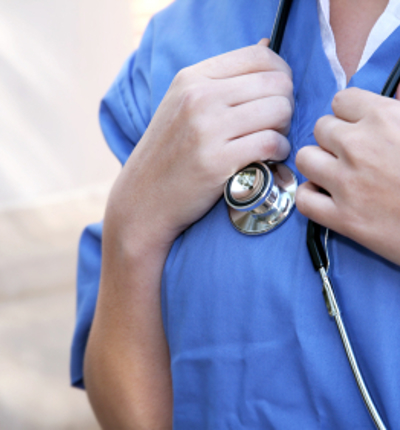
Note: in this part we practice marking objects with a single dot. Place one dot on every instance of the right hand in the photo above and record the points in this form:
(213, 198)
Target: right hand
(217, 117)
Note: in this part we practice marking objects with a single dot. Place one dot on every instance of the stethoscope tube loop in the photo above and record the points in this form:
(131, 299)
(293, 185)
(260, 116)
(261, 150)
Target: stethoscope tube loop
(261, 211)
(334, 311)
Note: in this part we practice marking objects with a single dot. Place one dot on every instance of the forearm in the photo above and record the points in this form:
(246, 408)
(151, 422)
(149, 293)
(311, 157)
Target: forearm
(127, 373)
(207, 127)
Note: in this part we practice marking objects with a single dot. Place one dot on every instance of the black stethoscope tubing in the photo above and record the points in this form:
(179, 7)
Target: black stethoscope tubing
(320, 263)
(317, 252)
(278, 30)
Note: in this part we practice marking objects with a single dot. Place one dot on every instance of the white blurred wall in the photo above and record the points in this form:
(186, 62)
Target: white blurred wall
(57, 59)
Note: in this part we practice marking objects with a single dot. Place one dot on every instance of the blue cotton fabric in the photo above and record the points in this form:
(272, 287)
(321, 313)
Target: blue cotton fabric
(251, 344)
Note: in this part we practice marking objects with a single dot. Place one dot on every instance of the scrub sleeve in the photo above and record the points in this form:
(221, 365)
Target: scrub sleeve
(251, 344)
(185, 33)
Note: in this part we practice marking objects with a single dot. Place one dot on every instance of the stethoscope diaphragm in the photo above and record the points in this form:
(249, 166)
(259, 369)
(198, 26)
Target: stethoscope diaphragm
(261, 197)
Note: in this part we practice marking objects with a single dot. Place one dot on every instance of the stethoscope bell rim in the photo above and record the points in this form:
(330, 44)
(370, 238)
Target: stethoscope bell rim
(258, 197)
(270, 204)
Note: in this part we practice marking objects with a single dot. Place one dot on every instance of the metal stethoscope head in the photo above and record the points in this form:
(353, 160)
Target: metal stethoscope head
(261, 196)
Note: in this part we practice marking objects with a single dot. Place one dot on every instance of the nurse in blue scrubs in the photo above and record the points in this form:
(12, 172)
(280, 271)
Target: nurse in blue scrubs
(184, 322)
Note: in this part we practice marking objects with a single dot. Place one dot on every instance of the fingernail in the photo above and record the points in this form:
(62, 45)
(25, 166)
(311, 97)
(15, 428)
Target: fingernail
(263, 42)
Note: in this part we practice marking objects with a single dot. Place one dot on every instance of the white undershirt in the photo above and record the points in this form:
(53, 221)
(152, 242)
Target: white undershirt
(383, 28)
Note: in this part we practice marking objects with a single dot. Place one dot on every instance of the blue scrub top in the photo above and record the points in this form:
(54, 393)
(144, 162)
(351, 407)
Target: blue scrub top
(252, 346)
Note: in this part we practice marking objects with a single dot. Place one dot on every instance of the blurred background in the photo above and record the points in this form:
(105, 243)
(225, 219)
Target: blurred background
(57, 59)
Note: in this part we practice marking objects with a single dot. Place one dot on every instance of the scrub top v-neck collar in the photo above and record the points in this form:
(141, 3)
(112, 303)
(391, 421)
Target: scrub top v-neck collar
(315, 83)
(250, 341)
(383, 28)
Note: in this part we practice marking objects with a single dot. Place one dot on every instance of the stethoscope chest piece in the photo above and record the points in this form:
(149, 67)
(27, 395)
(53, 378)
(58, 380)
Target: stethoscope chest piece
(261, 197)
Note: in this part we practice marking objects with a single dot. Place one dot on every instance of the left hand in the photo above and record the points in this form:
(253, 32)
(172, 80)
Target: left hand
(358, 163)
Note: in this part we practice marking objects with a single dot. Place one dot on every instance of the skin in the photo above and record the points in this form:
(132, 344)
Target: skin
(351, 22)
(357, 162)
(217, 117)
(359, 150)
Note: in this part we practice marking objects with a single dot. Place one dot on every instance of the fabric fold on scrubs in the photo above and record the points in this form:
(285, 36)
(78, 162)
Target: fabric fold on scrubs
(177, 37)
(251, 344)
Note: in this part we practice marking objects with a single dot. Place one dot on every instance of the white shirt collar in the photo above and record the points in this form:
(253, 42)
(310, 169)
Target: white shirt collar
(383, 28)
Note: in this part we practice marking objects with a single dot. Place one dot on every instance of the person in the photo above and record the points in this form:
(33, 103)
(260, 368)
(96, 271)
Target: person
(197, 326)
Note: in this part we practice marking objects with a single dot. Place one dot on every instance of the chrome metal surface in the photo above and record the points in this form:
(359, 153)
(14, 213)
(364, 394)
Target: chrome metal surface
(247, 184)
(334, 311)
(261, 197)
(328, 260)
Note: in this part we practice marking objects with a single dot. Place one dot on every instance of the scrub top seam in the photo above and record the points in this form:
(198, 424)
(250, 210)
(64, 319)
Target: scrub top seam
(124, 101)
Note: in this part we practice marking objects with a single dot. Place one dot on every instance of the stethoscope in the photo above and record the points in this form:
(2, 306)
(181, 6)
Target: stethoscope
(262, 196)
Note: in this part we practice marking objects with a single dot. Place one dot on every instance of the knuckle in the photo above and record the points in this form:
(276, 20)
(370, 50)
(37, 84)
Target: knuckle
(353, 146)
(280, 65)
(354, 91)
(193, 97)
(301, 158)
(288, 71)
(284, 112)
(325, 128)
(275, 62)
(261, 53)
(188, 99)
(337, 99)
(301, 200)
(267, 60)
(282, 106)
(341, 96)
(351, 92)
(183, 77)
(256, 50)
(261, 56)
(285, 83)
(318, 131)
(319, 127)
(270, 144)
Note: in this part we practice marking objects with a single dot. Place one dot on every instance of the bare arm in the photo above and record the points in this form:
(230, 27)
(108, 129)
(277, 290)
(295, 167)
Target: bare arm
(127, 363)
(217, 117)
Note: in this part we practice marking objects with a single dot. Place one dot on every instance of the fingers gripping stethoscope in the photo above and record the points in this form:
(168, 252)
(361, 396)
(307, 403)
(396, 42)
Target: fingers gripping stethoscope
(262, 196)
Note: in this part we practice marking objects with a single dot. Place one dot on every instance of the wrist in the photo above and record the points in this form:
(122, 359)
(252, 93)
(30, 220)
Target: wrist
(135, 236)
